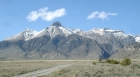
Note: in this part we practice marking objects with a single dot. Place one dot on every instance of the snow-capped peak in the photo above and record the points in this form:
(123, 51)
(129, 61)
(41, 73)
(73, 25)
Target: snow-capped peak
(29, 33)
(106, 31)
(25, 35)
(56, 28)
(77, 30)
(137, 38)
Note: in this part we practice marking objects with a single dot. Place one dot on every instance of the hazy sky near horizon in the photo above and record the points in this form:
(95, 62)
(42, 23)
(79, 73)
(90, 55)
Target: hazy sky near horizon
(18, 15)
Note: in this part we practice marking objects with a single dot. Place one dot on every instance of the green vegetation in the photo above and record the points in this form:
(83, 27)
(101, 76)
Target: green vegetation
(100, 60)
(94, 63)
(108, 61)
(112, 61)
(126, 62)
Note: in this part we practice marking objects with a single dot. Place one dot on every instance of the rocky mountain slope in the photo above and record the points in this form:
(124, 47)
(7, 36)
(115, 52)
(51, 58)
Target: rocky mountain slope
(58, 42)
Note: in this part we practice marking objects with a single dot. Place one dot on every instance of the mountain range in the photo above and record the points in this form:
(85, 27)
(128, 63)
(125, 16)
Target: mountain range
(59, 42)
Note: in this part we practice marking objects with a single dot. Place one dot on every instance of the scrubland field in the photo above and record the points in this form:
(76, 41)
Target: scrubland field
(77, 68)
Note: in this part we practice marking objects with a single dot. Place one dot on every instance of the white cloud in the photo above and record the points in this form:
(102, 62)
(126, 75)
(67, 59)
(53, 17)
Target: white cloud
(33, 16)
(101, 15)
(93, 15)
(112, 14)
(45, 14)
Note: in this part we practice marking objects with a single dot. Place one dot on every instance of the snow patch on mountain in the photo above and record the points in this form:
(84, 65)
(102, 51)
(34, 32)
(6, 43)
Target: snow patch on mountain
(25, 35)
(29, 33)
(78, 31)
(137, 38)
(57, 29)
(107, 31)
(98, 31)
(66, 31)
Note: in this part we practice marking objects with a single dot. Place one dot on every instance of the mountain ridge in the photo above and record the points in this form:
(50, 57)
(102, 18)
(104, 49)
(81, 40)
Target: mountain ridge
(58, 42)
(30, 34)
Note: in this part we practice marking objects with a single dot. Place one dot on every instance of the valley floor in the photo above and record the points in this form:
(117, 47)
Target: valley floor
(75, 68)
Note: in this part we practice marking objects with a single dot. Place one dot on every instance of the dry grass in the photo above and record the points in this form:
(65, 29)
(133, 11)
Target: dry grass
(87, 69)
(78, 68)
(12, 68)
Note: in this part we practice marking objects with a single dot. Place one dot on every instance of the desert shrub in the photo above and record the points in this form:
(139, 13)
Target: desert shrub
(100, 60)
(135, 66)
(61, 72)
(5, 76)
(87, 74)
(94, 63)
(108, 61)
(23, 72)
(112, 61)
(126, 62)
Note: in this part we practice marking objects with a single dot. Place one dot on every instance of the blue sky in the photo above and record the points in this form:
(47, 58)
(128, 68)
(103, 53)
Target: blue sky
(18, 15)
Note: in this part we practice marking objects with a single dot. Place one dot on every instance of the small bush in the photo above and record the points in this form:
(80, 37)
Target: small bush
(135, 66)
(23, 72)
(5, 76)
(94, 63)
(112, 61)
(87, 74)
(100, 60)
(126, 62)
(108, 61)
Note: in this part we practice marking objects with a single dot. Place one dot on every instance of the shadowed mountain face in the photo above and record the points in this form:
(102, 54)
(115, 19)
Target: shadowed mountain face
(58, 42)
